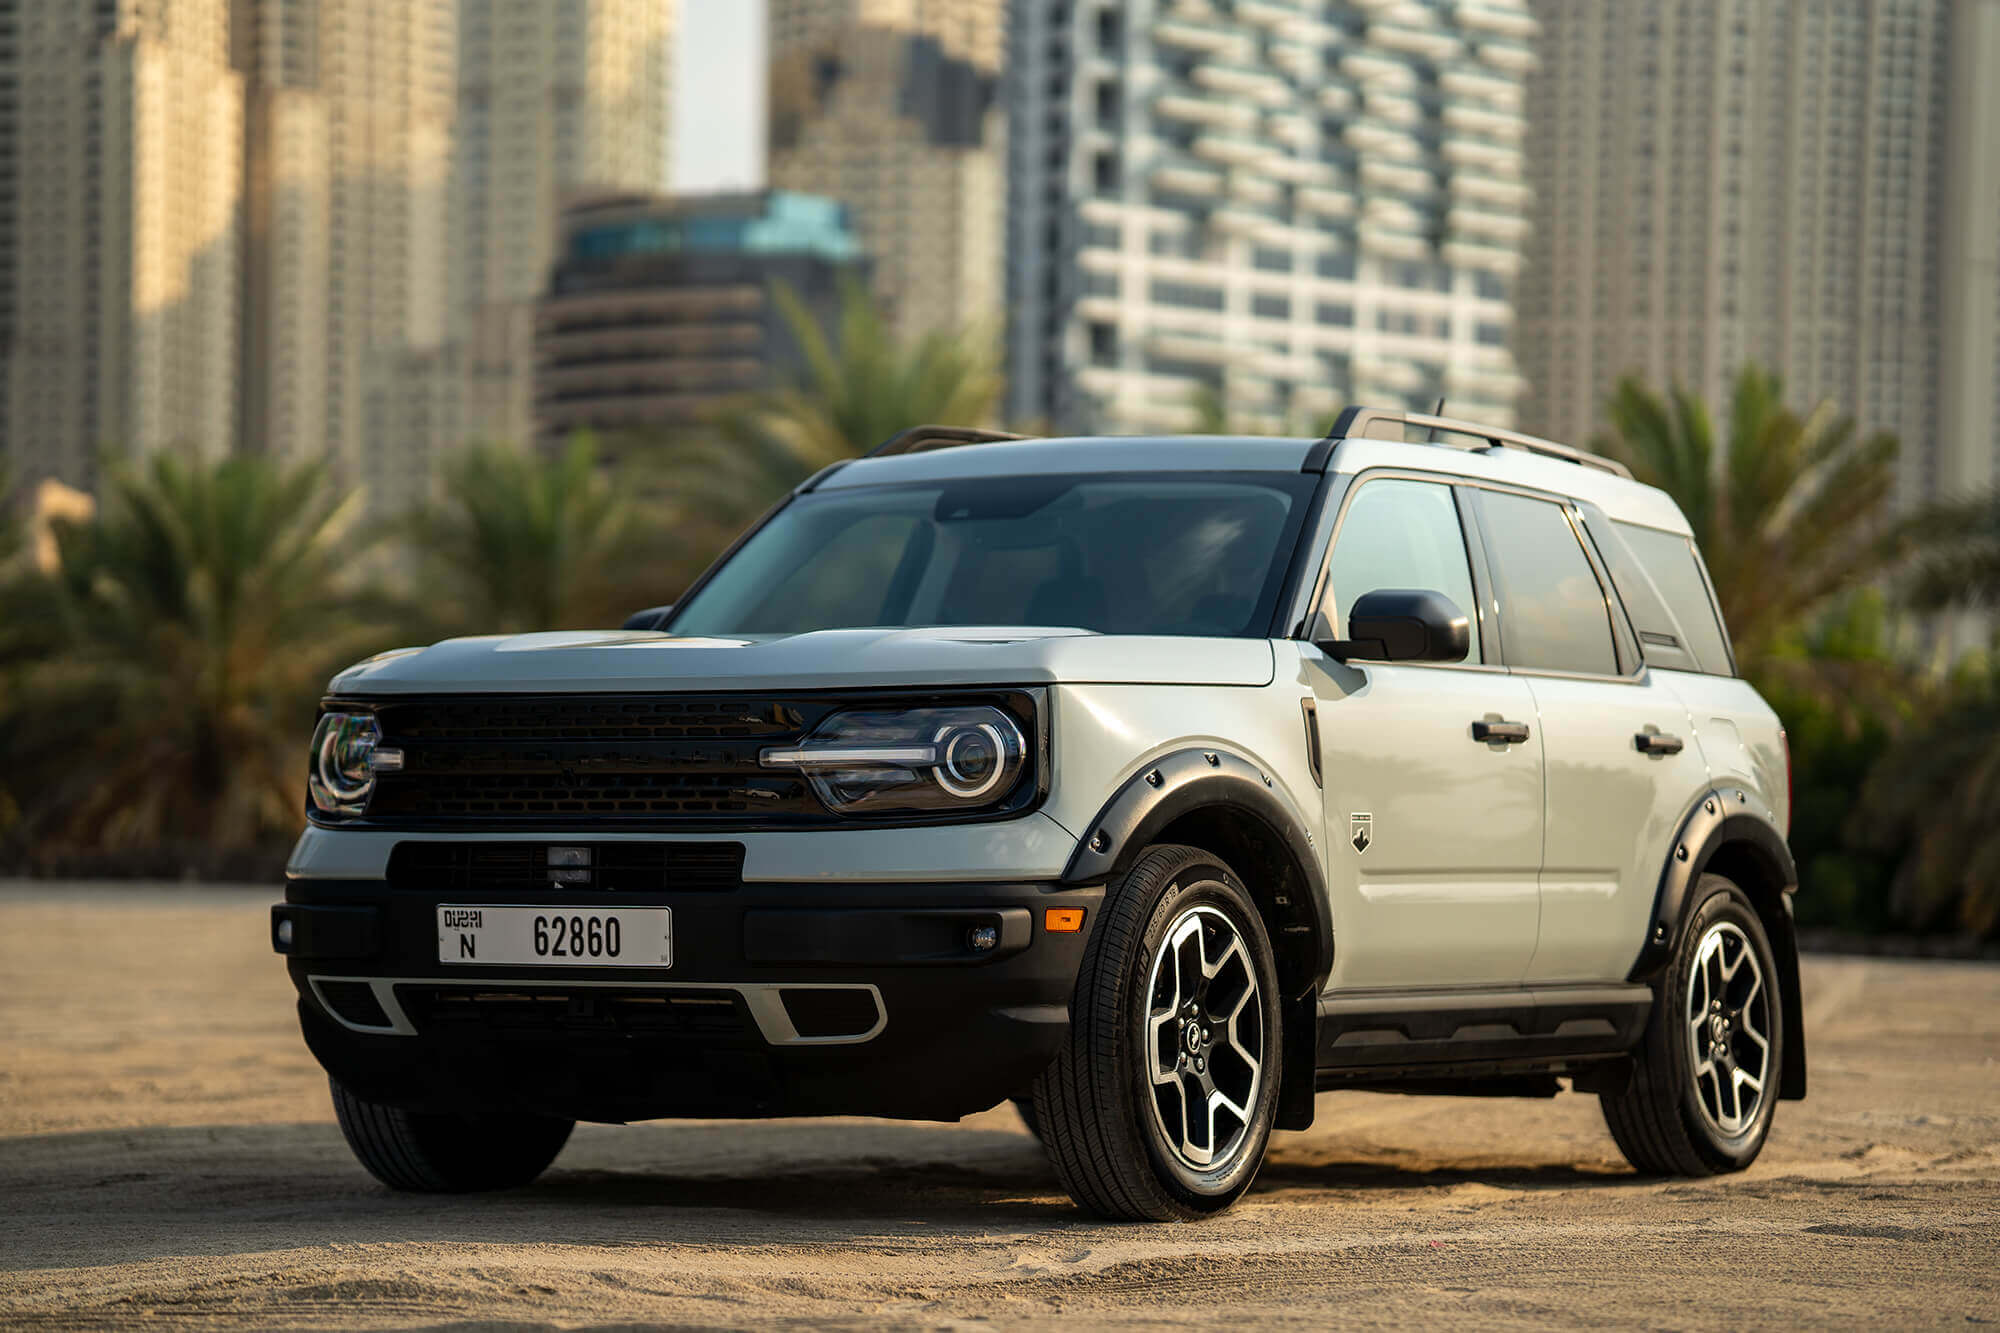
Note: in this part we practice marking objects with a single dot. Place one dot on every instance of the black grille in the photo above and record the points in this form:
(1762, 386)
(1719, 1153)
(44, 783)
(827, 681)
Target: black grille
(615, 867)
(645, 759)
(503, 1011)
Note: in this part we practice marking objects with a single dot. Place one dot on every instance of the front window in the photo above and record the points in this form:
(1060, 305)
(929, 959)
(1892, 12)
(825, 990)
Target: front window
(1190, 553)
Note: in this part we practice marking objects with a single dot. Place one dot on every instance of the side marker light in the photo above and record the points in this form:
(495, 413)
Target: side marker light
(1062, 920)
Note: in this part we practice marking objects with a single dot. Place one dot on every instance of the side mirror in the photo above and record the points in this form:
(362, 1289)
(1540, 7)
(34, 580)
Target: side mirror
(651, 618)
(1402, 625)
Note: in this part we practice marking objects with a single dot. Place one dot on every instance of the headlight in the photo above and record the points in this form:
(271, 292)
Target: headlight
(910, 759)
(342, 774)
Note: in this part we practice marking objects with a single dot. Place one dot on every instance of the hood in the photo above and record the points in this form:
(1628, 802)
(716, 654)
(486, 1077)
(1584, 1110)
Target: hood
(635, 662)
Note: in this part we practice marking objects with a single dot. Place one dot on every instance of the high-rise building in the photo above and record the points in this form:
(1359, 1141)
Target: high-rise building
(662, 309)
(120, 180)
(557, 99)
(1281, 208)
(348, 323)
(1811, 184)
(890, 107)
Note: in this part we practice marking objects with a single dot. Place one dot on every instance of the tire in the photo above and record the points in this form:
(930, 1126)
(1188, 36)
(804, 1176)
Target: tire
(1685, 1112)
(1025, 1108)
(432, 1153)
(1122, 1142)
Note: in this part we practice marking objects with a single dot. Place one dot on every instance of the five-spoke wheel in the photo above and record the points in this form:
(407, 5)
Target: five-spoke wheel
(1728, 1018)
(1161, 1102)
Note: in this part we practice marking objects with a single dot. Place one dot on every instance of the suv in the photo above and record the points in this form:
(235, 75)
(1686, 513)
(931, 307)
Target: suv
(1156, 784)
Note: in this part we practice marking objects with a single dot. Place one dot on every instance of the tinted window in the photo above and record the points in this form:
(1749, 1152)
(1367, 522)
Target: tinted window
(1670, 560)
(1400, 534)
(1552, 609)
(1186, 553)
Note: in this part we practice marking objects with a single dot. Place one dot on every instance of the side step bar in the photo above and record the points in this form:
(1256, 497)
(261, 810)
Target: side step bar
(1375, 1032)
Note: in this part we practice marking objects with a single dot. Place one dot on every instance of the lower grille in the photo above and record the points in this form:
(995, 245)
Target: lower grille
(615, 867)
(701, 1014)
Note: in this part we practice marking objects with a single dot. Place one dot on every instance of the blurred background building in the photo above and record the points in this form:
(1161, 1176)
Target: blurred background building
(1813, 184)
(661, 310)
(347, 199)
(1282, 207)
(121, 128)
(556, 98)
(891, 107)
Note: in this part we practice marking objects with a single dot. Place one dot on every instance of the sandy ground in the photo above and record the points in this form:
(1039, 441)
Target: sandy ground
(168, 1159)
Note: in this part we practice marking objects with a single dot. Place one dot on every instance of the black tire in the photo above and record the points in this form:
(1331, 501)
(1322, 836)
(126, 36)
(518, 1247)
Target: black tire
(1673, 1119)
(433, 1153)
(1099, 1112)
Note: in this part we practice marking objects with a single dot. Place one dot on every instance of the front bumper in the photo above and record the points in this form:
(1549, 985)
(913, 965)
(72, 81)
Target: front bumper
(783, 999)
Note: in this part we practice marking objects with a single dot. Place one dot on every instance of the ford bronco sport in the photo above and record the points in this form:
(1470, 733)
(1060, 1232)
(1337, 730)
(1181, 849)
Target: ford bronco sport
(1154, 783)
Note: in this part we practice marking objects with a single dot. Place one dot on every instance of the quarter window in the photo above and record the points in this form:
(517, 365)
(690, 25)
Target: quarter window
(1671, 561)
(1553, 613)
(1405, 535)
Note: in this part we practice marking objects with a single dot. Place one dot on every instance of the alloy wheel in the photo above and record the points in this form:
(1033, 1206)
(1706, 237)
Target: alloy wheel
(1728, 1026)
(1204, 1038)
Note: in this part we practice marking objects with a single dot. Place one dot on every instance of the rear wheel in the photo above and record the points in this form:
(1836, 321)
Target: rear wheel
(437, 1153)
(1706, 1078)
(1161, 1103)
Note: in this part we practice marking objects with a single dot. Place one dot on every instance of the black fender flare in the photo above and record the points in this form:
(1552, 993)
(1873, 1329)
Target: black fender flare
(1731, 818)
(1194, 779)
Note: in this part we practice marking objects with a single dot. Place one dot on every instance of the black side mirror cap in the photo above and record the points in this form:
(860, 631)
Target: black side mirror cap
(651, 618)
(1402, 625)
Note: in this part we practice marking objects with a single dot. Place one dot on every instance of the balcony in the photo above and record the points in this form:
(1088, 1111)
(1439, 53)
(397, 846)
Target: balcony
(1192, 36)
(1192, 109)
(1504, 194)
(1504, 125)
(1504, 19)
(1493, 258)
(1424, 43)
(1514, 57)
(1478, 226)
(1481, 85)
(1402, 177)
(1375, 70)
(1499, 159)
(1328, 201)
(1231, 149)
(1183, 178)
(1372, 136)
(1244, 81)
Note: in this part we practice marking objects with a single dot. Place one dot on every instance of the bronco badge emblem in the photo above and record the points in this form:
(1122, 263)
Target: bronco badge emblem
(1362, 832)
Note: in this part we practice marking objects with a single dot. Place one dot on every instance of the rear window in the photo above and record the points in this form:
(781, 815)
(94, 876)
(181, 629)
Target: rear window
(1553, 613)
(1668, 598)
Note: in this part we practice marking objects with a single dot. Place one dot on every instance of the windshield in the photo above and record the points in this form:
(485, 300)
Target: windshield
(1191, 553)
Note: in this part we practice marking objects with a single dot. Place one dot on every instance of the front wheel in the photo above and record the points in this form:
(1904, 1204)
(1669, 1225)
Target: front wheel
(439, 1153)
(1161, 1102)
(1706, 1076)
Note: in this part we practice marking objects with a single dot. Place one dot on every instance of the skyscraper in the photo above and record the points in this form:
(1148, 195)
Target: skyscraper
(1287, 207)
(556, 99)
(348, 320)
(118, 231)
(890, 106)
(1812, 184)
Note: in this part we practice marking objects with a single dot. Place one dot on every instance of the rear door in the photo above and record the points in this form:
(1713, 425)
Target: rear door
(1622, 766)
(1434, 837)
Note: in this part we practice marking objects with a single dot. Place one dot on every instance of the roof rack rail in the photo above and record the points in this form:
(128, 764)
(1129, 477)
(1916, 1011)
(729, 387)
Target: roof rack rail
(923, 439)
(1358, 423)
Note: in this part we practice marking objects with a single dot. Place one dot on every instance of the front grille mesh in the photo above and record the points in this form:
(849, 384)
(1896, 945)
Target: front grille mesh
(644, 759)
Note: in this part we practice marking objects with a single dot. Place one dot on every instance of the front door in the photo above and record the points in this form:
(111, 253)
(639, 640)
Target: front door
(1433, 773)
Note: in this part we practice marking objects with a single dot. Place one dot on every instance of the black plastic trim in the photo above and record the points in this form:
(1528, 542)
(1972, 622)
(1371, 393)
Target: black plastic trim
(1373, 1031)
(1724, 817)
(1189, 780)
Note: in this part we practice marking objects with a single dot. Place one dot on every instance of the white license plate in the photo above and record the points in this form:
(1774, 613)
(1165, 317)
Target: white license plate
(558, 936)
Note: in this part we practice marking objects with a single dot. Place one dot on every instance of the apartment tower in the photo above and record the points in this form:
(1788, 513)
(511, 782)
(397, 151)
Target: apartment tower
(1811, 184)
(557, 100)
(120, 179)
(890, 107)
(348, 324)
(1271, 209)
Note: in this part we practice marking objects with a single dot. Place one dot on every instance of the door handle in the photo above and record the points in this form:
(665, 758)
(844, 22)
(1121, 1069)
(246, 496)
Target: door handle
(1657, 742)
(1510, 733)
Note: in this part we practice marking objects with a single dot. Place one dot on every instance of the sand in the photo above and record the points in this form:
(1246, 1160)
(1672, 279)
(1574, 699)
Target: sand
(168, 1159)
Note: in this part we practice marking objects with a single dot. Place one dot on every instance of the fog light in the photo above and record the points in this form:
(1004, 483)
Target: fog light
(983, 938)
(282, 936)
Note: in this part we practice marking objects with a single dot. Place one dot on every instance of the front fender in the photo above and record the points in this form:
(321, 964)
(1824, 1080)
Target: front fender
(1189, 780)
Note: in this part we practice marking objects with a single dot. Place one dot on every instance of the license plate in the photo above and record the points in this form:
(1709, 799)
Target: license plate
(559, 936)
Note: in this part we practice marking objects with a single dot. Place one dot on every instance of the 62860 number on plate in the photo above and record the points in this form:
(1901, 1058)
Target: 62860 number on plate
(560, 936)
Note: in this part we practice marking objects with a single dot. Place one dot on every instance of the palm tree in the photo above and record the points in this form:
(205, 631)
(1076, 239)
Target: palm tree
(857, 385)
(195, 619)
(1939, 786)
(1791, 511)
(523, 542)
